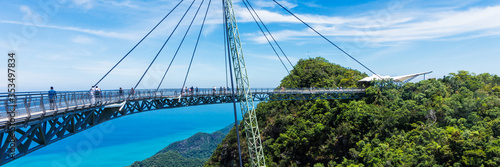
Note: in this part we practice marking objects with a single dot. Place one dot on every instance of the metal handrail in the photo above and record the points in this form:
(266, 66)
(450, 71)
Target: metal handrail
(65, 101)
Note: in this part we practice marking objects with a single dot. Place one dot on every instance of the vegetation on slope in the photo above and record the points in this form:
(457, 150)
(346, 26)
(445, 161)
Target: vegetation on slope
(201, 145)
(319, 73)
(452, 121)
(169, 158)
(193, 151)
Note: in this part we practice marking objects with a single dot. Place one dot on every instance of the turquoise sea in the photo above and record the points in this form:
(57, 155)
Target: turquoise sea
(122, 141)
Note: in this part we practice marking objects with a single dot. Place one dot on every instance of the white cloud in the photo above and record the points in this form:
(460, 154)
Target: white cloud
(275, 58)
(82, 40)
(26, 10)
(86, 4)
(273, 17)
(82, 30)
(272, 4)
(126, 3)
(471, 23)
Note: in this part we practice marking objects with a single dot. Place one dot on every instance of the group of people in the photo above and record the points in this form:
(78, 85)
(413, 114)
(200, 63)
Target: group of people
(190, 91)
(95, 95)
(195, 91)
(222, 90)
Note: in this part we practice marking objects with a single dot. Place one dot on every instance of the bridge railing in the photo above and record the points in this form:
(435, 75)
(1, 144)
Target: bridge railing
(38, 104)
(307, 90)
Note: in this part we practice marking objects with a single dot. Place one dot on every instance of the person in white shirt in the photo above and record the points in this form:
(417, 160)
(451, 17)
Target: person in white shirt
(92, 95)
(98, 94)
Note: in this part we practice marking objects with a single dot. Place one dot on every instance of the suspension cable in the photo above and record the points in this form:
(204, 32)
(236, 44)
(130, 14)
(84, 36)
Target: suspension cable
(179, 47)
(327, 39)
(225, 55)
(263, 33)
(225, 45)
(138, 43)
(161, 49)
(233, 97)
(197, 41)
(269, 32)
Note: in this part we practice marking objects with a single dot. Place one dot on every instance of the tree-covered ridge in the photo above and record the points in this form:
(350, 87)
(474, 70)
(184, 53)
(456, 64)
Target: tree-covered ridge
(201, 145)
(193, 151)
(170, 158)
(318, 72)
(453, 121)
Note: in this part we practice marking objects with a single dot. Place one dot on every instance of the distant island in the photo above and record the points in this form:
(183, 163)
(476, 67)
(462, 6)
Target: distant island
(190, 152)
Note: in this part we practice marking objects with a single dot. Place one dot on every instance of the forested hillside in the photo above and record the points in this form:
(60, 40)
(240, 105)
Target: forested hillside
(452, 121)
(193, 151)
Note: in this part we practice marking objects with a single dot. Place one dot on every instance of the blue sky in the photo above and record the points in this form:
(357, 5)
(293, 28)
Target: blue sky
(70, 44)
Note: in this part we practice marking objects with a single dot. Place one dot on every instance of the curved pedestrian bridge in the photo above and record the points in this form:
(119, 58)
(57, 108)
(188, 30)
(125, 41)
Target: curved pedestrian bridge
(38, 122)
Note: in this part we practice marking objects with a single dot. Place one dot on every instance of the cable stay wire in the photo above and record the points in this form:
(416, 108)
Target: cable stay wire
(269, 32)
(326, 39)
(179, 47)
(225, 43)
(225, 60)
(163, 46)
(197, 42)
(138, 43)
(263, 33)
(233, 96)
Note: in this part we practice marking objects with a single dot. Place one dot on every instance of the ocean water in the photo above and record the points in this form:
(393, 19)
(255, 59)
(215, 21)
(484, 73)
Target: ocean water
(122, 141)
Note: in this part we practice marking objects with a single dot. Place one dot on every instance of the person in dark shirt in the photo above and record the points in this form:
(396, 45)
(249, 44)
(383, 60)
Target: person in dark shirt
(120, 93)
(52, 98)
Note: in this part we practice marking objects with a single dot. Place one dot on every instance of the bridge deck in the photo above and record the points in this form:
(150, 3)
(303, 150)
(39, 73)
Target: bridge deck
(36, 105)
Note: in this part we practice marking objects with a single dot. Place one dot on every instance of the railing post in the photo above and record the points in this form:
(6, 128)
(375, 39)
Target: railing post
(66, 101)
(27, 106)
(104, 96)
(82, 98)
(42, 106)
(74, 100)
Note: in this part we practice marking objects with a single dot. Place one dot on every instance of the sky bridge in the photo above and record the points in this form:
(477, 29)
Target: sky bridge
(73, 45)
(39, 122)
(32, 120)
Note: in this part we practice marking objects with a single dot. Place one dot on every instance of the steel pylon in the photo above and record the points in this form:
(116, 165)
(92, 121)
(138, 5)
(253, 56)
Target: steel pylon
(243, 88)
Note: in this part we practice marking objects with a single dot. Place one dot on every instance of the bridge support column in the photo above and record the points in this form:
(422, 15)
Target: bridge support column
(243, 87)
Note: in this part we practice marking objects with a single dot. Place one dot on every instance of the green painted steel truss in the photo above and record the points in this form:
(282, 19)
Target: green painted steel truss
(250, 122)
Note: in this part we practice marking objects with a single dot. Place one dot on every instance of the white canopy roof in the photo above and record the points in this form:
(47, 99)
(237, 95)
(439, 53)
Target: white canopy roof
(402, 78)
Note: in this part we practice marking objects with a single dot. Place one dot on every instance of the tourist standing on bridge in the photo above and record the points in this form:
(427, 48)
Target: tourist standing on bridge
(196, 90)
(120, 93)
(52, 98)
(214, 90)
(92, 95)
(98, 94)
(131, 94)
